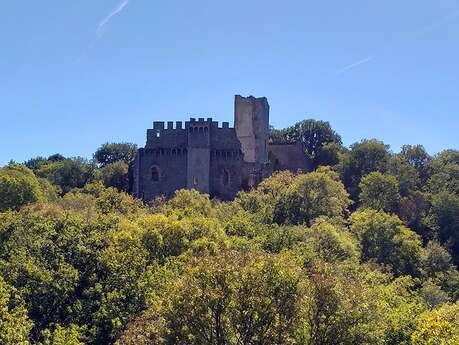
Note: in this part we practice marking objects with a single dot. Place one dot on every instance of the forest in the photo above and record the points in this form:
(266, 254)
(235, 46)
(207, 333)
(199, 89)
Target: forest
(362, 250)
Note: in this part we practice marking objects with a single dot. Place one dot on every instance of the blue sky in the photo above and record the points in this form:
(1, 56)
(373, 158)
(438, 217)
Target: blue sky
(75, 74)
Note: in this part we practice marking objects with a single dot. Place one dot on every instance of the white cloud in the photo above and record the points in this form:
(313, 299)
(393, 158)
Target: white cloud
(121, 6)
(352, 66)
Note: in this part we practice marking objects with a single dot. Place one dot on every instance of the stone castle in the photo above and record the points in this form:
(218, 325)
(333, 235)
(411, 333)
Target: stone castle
(212, 159)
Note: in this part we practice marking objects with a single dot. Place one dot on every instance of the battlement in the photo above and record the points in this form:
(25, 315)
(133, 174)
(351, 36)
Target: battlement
(169, 125)
(211, 157)
(196, 131)
(161, 126)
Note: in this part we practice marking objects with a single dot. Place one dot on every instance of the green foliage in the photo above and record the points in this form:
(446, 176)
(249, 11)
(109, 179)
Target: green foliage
(34, 163)
(407, 176)
(310, 196)
(413, 210)
(432, 294)
(14, 323)
(18, 187)
(188, 203)
(439, 326)
(444, 220)
(418, 158)
(230, 299)
(261, 201)
(363, 158)
(68, 173)
(116, 175)
(435, 260)
(329, 154)
(386, 240)
(314, 135)
(57, 157)
(329, 242)
(110, 201)
(63, 336)
(444, 176)
(379, 192)
(289, 262)
(110, 153)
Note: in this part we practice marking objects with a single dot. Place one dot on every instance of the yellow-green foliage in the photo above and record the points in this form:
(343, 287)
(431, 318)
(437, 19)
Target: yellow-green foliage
(311, 196)
(14, 322)
(288, 263)
(438, 327)
(18, 187)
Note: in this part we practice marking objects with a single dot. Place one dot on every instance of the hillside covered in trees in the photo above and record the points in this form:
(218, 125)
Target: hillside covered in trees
(363, 250)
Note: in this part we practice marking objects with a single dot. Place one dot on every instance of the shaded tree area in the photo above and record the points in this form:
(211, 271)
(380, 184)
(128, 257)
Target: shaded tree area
(362, 250)
(110, 165)
(320, 142)
(419, 188)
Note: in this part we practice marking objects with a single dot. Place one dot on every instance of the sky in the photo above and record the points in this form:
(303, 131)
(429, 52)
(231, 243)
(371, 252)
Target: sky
(76, 74)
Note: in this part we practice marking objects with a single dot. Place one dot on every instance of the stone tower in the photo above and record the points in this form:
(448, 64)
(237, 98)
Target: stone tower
(198, 160)
(251, 122)
(215, 159)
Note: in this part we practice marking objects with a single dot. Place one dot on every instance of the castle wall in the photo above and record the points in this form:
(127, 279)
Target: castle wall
(165, 155)
(217, 160)
(226, 162)
(198, 166)
(170, 166)
(251, 121)
(288, 157)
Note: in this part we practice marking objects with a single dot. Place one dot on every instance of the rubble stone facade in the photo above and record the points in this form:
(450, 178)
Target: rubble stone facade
(217, 160)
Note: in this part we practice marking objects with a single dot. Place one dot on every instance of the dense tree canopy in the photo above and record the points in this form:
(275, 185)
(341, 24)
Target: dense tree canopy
(310, 196)
(314, 136)
(361, 251)
(379, 192)
(110, 153)
(18, 187)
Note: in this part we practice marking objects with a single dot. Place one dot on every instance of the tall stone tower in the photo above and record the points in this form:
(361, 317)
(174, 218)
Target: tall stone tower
(198, 160)
(251, 122)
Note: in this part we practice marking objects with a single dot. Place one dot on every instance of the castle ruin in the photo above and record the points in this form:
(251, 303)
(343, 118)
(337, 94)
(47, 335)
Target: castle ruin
(212, 159)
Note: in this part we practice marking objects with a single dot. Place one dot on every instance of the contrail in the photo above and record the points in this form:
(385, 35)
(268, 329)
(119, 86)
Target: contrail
(352, 66)
(106, 20)
(432, 26)
(101, 27)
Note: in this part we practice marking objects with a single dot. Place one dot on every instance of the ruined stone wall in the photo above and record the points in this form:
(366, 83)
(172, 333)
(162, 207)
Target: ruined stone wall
(288, 157)
(251, 121)
(201, 155)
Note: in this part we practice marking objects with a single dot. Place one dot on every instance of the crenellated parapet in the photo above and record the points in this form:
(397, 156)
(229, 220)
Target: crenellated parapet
(195, 132)
(208, 156)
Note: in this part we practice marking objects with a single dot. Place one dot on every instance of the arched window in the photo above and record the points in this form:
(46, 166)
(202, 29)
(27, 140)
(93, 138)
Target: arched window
(225, 177)
(155, 174)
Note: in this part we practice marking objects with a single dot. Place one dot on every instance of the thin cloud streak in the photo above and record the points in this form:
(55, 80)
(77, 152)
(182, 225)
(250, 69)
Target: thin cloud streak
(100, 29)
(423, 30)
(106, 20)
(352, 66)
